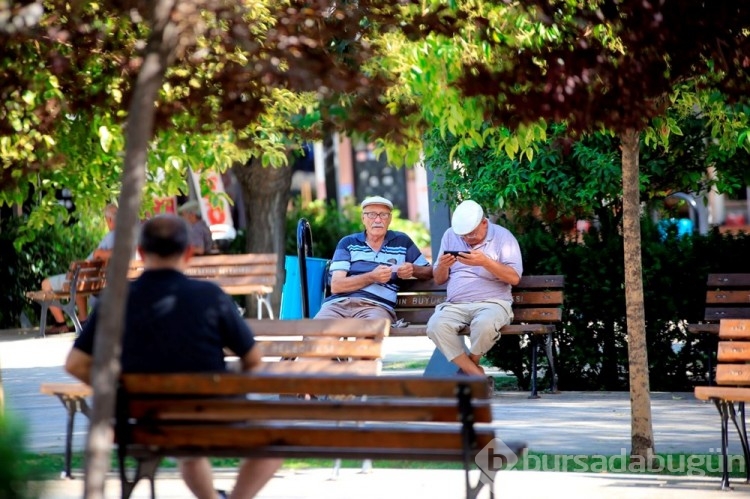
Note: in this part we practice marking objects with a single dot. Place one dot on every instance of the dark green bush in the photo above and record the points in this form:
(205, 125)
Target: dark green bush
(591, 347)
(49, 253)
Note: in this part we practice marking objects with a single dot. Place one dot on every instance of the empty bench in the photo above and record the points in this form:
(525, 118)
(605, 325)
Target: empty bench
(315, 345)
(732, 388)
(727, 297)
(84, 278)
(537, 302)
(243, 274)
(241, 415)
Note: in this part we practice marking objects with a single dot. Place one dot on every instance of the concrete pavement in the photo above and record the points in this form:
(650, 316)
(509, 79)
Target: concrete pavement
(570, 423)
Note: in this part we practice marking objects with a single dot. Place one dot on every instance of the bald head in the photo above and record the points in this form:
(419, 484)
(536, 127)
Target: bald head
(164, 236)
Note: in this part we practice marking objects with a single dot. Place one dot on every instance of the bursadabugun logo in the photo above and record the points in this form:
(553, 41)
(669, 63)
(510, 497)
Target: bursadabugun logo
(497, 456)
(493, 457)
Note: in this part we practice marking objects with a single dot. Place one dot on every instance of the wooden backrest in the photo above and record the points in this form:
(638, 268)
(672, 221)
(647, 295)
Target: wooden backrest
(235, 274)
(89, 276)
(727, 297)
(733, 353)
(321, 345)
(536, 299)
(182, 411)
(184, 397)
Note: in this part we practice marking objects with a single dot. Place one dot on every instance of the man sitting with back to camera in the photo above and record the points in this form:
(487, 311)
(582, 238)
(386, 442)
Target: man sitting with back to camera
(175, 324)
(366, 267)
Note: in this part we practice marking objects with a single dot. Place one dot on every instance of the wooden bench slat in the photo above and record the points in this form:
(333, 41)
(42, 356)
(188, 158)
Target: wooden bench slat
(237, 384)
(733, 374)
(353, 409)
(734, 351)
(408, 438)
(735, 329)
(730, 393)
(719, 313)
(728, 280)
(320, 366)
(322, 348)
(236, 274)
(352, 328)
(67, 389)
(703, 328)
(510, 329)
(727, 296)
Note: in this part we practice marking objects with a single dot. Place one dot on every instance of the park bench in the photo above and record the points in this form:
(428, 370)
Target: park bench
(239, 415)
(315, 345)
(727, 297)
(537, 302)
(84, 278)
(732, 387)
(242, 274)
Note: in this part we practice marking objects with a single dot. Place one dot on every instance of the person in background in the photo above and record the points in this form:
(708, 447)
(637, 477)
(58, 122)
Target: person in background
(366, 267)
(479, 277)
(55, 283)
(200, 234)
(177, 324)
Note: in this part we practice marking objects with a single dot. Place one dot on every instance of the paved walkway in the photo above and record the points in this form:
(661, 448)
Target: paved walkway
(570, 423)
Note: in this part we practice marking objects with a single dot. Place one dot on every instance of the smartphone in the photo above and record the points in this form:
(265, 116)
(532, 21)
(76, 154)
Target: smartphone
(454, 253)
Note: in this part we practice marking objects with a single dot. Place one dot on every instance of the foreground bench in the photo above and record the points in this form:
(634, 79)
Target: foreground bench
(244, 274)
(315, 345)
(402, 417)
(84, 278)
(727, 297)
(537, 302)
(733, 380)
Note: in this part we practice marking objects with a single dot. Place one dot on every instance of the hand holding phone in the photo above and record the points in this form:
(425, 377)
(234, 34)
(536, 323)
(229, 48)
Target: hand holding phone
(454, 253)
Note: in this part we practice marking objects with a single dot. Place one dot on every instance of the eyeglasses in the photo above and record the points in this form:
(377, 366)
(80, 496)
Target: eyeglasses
(474, 233)
(372, 215)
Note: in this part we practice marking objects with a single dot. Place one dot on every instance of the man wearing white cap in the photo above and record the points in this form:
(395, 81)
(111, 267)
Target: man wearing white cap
(366, 267)
(480, 261)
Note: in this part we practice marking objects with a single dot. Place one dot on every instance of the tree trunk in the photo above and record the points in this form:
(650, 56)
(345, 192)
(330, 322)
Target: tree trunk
(108, 342)
(265, 192)
(641, 431)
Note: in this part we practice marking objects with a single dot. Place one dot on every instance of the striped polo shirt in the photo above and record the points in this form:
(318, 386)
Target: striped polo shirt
(354, 256)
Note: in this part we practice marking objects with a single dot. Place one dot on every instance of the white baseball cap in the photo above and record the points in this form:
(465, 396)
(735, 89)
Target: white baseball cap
(466, 217)
(376, 200)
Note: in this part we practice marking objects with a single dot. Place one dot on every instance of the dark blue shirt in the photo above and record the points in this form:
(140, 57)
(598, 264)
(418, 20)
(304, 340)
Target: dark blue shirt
(175, 324)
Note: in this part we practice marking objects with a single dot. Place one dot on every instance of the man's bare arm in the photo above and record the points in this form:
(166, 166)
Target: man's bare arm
(78, 364)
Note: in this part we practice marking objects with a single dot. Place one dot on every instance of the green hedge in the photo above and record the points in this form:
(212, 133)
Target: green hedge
(49, 253)
(591, 347)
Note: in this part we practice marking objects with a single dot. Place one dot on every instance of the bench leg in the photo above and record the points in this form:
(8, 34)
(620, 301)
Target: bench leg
(532, 343)
(742, 432)
(549, 350)
(72, 405)
(146, 468)
(264, 301)
(43, 319)
(723, 408)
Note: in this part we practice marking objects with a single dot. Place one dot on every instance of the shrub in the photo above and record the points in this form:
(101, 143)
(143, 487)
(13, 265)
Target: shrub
(48, 253)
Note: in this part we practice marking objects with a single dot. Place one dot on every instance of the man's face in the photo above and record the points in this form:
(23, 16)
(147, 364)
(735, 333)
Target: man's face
(477, 235)
(377, 218)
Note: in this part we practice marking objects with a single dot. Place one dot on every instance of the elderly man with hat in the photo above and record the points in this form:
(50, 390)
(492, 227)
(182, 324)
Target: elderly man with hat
(200, 235)
(480, 261)
(366, 267)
